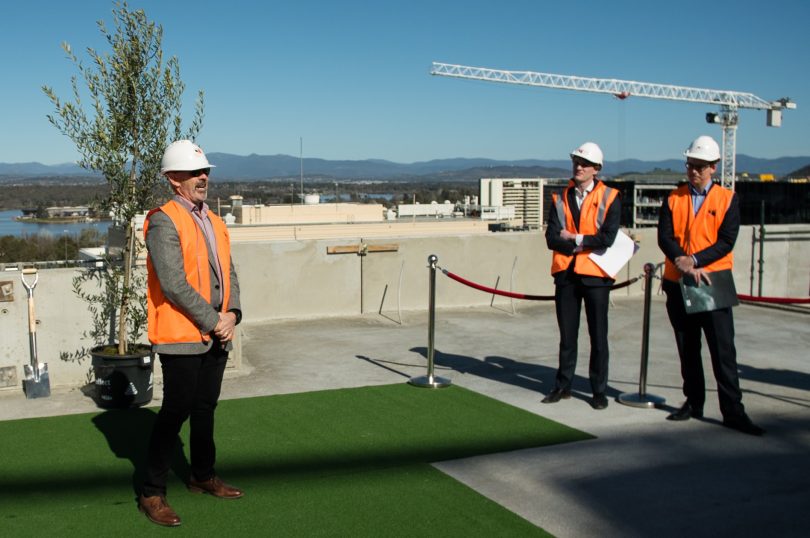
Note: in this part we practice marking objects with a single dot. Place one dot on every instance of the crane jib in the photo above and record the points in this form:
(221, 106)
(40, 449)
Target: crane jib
(728, 101)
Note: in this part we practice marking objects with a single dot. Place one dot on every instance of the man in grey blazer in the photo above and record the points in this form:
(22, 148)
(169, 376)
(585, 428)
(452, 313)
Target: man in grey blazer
(193, 309)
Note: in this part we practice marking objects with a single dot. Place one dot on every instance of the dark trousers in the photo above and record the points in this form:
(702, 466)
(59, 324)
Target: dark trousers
(568, 297)
(191, 386)
(718, 326)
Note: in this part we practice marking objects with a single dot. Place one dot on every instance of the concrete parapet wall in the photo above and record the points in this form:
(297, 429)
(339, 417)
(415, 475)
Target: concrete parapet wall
(398, 228)
(283, 279)
(61, 320)
(786, 260)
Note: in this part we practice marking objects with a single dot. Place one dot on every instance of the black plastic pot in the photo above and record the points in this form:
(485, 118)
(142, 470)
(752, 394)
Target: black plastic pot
(122, 380)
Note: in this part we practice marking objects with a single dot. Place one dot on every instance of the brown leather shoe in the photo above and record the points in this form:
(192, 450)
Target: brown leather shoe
(158, 510)
(216, 487)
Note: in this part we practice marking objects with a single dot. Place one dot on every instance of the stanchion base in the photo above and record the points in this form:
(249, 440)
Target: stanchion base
(430, 382)
(635, 399)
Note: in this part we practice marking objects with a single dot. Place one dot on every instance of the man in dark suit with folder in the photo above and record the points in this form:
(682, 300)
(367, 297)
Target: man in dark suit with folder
(697, 229)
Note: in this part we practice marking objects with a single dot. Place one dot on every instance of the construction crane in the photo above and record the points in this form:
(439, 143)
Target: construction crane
(729, 101)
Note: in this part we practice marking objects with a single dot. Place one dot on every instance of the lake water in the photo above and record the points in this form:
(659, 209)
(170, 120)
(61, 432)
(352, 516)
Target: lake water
(9, 226)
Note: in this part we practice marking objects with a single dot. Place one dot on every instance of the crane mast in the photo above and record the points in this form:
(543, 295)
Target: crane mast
(729, 101)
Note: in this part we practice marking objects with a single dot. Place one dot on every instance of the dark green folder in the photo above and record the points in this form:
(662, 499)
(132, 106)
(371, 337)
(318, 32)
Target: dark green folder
(705, 298)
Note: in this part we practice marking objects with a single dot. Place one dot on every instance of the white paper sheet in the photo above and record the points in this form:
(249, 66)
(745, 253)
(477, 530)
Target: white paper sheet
(612, 259)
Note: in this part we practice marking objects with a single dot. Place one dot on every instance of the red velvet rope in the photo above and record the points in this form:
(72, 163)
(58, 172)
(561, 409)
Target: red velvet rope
(517, 295)
(775, 300)
(626, 283)
(470, 283)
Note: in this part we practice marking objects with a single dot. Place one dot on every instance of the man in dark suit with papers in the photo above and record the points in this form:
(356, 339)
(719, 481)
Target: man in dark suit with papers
(582, 219)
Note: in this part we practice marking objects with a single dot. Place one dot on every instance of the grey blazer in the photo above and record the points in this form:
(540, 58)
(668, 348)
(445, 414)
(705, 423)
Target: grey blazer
(163, 245)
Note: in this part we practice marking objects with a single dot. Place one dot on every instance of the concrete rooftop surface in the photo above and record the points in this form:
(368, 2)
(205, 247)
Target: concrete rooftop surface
(641, 476)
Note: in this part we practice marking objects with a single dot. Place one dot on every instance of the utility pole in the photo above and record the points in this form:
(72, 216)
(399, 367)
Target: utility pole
(301, 158)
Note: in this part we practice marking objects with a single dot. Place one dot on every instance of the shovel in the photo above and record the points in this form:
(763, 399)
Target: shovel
(36, 383)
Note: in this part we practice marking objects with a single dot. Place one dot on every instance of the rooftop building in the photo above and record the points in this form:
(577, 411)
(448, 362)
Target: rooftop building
(525, 195)
(312, 213)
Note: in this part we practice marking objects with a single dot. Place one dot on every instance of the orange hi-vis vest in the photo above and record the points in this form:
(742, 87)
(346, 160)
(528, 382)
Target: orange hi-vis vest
(167, 324)
(697, 232)
(591, 217)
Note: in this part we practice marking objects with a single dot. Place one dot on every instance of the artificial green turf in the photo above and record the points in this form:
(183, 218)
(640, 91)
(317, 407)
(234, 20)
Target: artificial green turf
(330, 463)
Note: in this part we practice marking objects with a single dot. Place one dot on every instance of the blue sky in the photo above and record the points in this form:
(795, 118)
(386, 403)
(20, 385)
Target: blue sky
(352, 77)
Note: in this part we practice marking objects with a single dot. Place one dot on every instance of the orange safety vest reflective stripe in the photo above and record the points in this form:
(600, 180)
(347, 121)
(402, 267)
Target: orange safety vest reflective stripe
(167, 324)
(697, 232)
(591, 217)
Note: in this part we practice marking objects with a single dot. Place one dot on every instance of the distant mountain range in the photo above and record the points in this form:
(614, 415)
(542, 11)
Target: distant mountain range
(278, 167)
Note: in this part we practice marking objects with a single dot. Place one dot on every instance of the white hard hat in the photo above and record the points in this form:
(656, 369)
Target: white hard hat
(183, 155)
(590, 152)
(703, 148)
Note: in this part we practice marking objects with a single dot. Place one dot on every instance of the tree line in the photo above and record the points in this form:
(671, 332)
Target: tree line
(49, 248)
(42, 247)
(388, 193)
(30, 196)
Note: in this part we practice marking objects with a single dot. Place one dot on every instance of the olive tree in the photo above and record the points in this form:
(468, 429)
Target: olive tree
(132, 111)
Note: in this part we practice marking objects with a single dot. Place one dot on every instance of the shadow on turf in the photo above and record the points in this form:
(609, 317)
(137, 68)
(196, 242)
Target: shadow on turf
(349, 431)
(127, 432)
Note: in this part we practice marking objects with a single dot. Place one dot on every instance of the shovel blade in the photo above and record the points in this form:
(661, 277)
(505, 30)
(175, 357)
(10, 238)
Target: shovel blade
(36, 384)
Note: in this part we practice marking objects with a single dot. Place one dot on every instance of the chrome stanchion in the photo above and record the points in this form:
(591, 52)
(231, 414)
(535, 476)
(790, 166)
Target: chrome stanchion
(429, 380)
(642, 399)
